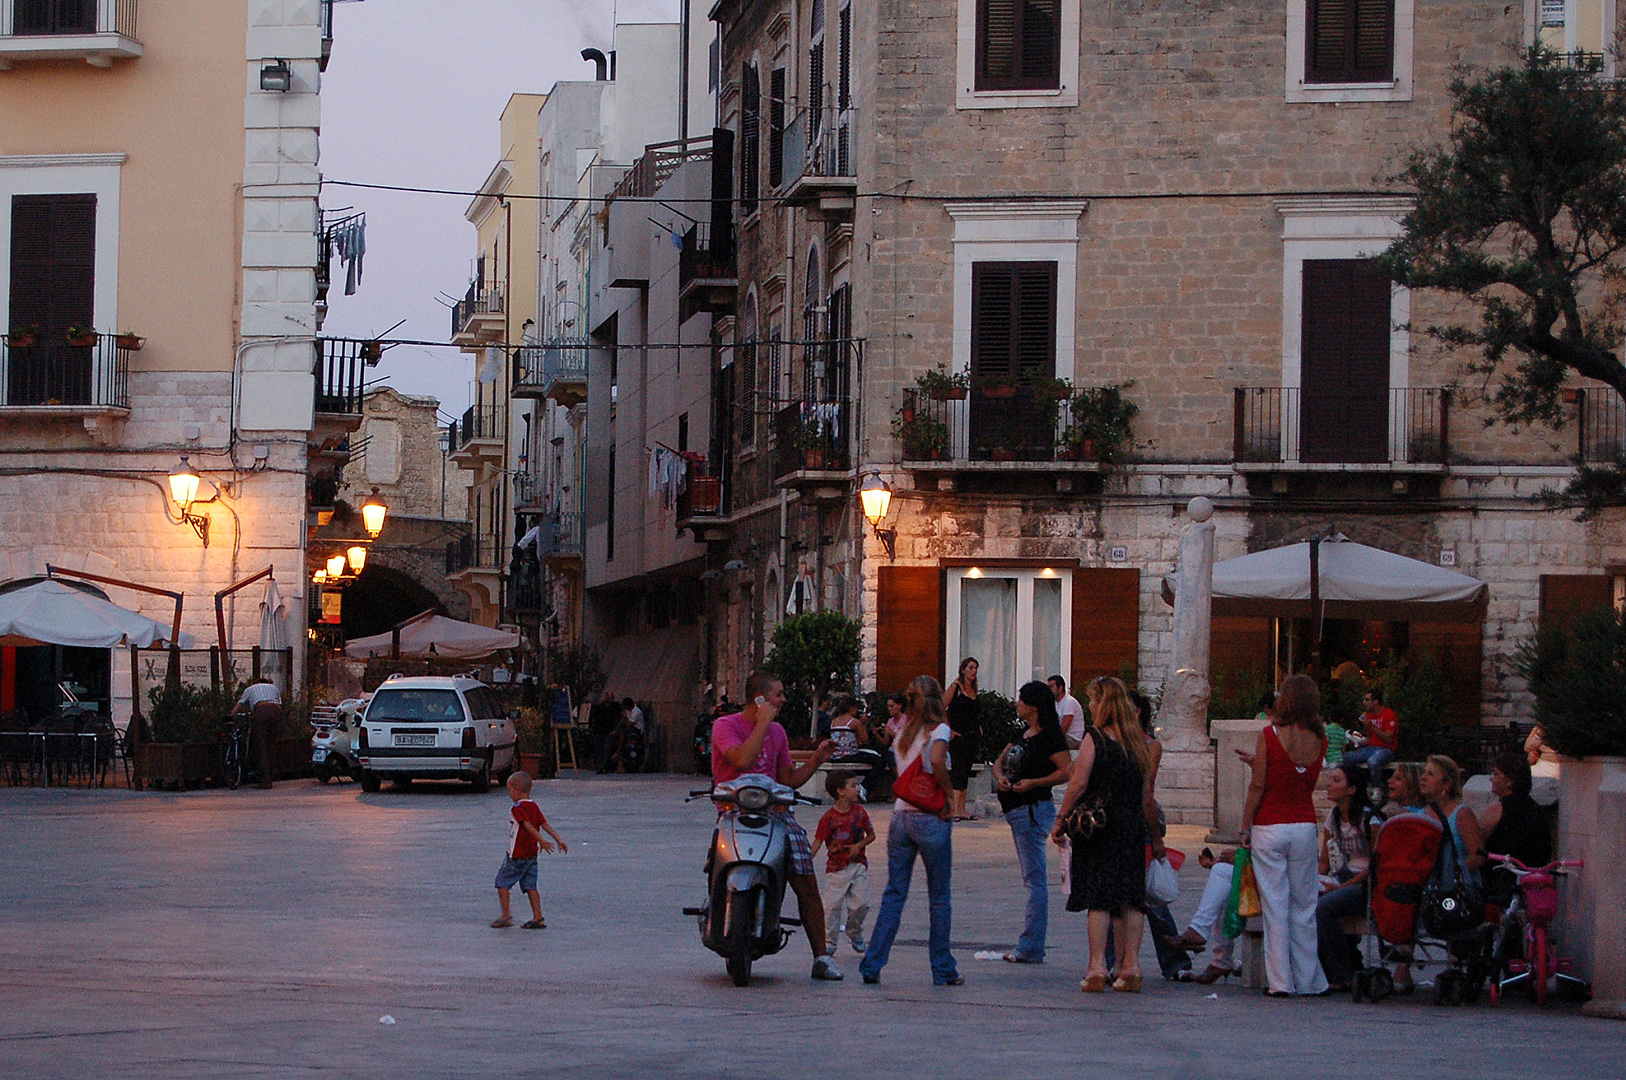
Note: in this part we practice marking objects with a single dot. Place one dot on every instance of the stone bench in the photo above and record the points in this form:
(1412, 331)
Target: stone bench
(1250, 948)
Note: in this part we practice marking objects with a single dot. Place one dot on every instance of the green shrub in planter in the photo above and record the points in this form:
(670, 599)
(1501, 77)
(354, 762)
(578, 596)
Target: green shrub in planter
(187, 714)
(1000, 723)
(1578, 674)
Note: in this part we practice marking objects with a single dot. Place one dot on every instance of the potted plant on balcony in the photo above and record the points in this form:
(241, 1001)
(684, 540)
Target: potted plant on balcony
(24, 337)
(1099, 424)
(939, 384)
(130, 341)
(923, 438)
(1052, 390)
(81, 337)
(997, 386)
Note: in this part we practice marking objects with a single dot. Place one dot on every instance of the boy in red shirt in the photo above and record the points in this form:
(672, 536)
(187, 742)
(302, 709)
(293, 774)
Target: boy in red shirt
(846, 830)
(524, 841)
(1381, 735)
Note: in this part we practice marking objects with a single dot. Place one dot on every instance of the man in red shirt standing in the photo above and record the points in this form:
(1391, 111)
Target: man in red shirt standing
(752, 741)
(1381, 726)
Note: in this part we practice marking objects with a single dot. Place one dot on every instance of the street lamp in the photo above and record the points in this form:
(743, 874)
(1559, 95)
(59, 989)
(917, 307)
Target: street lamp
(335, 566)
(876, 499)
(372, 514)
(357, 557)
(183, 488)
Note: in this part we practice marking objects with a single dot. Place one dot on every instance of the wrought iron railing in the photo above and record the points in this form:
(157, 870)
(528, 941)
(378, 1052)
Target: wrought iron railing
(539, 366)
(561, 533)
(1404, 425)
(998, 424)
(818, 143)
(530, 490)
(478, 422)
(340, 371)
(707, 255)
(482, 298)
(658, 163)
(812, 435)
(56, 373)
(1600, 425)
(40, 18)
(483, 551)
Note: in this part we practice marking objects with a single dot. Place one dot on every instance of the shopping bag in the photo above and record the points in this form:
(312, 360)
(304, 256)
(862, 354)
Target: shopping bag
(1232, 923)
(1162, 883)
(1247, 903)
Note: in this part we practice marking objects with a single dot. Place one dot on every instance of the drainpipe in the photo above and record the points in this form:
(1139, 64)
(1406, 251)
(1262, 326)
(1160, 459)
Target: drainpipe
(601, 64)
(683, 73)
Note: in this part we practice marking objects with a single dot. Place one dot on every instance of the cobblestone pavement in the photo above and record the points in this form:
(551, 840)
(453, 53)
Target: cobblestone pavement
(258, 934)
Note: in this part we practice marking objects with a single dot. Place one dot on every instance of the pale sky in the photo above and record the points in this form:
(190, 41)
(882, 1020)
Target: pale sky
(412, 96)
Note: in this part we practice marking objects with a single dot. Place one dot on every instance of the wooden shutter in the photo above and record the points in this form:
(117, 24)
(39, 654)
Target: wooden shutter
(909, 612)
(1013, 319)
(53, 262)
(55, 17)
(844, 60)
(815, 88)
(776, 127)
(1106, 623)
(1018, 45)
(1565, 596)
(1458, 649)
(747, 381)
(1349, 41)
(1344, 362)
(750, 135)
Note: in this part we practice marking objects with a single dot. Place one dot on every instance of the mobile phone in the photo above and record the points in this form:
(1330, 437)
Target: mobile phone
(762, 702)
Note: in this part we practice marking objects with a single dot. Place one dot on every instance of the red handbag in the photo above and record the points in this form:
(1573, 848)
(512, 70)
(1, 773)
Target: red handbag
(918, 788)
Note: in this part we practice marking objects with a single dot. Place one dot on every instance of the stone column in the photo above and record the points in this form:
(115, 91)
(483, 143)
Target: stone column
(1183, 719)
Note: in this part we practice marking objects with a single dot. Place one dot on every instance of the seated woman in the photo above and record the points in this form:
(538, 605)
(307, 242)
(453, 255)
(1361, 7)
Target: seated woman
(1513, 825)
(1346, 860)
(850, 734)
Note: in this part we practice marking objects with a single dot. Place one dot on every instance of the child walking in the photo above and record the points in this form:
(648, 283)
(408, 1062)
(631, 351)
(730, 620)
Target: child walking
(846, 831)
(524, 841)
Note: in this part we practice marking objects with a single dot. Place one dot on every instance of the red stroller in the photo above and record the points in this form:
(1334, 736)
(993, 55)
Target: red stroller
(1403, 858)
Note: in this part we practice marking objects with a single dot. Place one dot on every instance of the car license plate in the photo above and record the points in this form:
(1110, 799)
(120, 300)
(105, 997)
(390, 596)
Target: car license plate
(425, 739)
(318, 756)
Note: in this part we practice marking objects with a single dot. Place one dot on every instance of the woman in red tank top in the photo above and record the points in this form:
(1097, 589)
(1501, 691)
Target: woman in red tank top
(1278, 824)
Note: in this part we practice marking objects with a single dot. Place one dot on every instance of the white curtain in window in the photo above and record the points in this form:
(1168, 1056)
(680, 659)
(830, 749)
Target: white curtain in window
(988, 631)
(1046, 629)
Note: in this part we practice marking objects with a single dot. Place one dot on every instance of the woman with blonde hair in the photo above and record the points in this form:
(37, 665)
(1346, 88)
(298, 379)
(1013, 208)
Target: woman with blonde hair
(924, 737)
(1109, 869)
(1279, 825)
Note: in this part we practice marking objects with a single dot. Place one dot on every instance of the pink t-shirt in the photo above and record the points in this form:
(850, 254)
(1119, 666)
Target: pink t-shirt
(732, 730)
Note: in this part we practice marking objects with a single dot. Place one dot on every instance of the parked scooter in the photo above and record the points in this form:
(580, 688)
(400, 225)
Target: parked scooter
(333, 751)
(746, 871)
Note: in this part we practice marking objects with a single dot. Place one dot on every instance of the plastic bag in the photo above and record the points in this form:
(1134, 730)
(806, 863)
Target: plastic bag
(1162, 883)
(1241, 876)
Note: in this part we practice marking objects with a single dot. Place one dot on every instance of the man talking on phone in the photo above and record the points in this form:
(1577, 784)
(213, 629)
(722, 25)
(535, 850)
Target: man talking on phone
(752, 741)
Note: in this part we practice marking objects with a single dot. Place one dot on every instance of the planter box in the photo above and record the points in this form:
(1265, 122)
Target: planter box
(1592, 827)
(173, 765)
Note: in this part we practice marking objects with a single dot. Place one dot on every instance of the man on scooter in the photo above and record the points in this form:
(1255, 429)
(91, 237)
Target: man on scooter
(752, 741)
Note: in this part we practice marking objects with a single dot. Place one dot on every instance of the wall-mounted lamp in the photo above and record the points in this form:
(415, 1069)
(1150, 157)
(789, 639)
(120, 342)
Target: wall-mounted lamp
(276, 76)
(373, 512)
(183, 488)
(876, 499)
(357, 558)
(335, 566)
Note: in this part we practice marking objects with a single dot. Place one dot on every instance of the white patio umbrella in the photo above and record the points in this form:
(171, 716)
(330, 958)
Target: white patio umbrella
(52, 613)
(273, 619)
(435, 636)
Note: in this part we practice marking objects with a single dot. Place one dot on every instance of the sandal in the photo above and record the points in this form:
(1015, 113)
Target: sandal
(502, 923)
(1093, 984)
(534, 924)
(1213, 973)
(1127, 984)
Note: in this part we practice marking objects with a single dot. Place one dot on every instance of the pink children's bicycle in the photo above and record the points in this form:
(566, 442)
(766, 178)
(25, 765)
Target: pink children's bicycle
(1526, 923)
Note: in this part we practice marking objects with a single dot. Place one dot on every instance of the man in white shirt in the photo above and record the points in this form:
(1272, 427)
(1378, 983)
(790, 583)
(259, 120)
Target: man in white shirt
(1069, 712)
(262, 704)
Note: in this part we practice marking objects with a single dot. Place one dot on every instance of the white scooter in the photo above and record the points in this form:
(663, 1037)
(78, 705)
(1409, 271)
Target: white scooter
(333, 739)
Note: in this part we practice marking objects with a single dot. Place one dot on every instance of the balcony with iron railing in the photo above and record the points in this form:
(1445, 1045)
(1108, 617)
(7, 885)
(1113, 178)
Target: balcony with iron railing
(1600, 417)
(476, 437)
(477, 319)
(1283, 429)
(561, 537)
(478, 552)
(656, 166)
(95, 31)
(1000, 428)
(530, 491)
(811, 441)
(40, 376)
(816, 159)
(708, 271)
(700, 506)
(556, 371)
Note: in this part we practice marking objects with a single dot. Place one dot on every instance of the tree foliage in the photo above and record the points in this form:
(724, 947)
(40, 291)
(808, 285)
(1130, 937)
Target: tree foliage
(579, 667)
(812, 654)
(1522, 212)
(1578, 674)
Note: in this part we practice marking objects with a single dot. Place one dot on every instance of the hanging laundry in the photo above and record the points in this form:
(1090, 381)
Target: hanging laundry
(668, 476)
(492, 365)
(349, 238)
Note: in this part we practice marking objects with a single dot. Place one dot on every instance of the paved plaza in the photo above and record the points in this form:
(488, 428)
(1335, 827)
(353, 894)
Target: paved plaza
(260, 934)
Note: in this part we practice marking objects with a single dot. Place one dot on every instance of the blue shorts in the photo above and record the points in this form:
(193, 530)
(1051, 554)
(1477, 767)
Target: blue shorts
(521, 872)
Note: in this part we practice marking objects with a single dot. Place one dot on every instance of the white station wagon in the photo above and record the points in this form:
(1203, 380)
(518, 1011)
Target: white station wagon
(434, 727)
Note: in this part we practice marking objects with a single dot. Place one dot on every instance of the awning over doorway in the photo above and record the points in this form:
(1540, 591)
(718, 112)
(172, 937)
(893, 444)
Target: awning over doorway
(1355, 582)
(429, 636)
(53, 613)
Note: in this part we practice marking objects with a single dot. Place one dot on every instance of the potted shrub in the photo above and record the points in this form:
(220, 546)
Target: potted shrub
(1052, 389)
(939, 384)
(1099, 424)
(81, 337)
(532, 740)
(997, 386)
(1577, 672)
(923, 438)
(130, 341)
(24, 337)
(184, 723)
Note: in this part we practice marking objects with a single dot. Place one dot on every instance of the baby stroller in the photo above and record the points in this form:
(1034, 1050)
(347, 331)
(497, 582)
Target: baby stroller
(1405, 858)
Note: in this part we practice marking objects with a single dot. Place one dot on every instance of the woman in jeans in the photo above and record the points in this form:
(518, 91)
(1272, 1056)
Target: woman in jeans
(1279, 824)
(925, 735)
(1024, 772)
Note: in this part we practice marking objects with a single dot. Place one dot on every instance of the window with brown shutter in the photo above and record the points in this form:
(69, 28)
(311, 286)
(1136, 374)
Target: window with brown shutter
(1106, 623)
(1566, 596)
(750, 136)
(909, 612)
(1013, 319)
(1344, 362)
(844, 60)
(53, 286)
(776, 127)
(815, 87)
(1018, 45)
(1349, 41)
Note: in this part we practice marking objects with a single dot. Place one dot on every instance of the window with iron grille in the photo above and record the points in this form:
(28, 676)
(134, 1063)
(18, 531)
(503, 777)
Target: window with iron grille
(1018, 45)
(1350, 41)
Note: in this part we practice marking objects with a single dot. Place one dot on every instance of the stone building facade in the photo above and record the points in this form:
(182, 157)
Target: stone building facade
(1182, 203)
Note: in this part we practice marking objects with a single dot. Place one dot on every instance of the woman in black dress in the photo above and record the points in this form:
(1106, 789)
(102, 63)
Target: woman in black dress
(965, 720)
(1109, 870)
